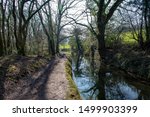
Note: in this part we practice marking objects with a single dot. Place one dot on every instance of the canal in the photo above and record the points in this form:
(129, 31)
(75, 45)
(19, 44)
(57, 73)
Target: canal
(109, 84)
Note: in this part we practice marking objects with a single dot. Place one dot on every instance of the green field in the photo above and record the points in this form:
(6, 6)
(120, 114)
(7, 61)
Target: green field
(127, 38)
(65, 46)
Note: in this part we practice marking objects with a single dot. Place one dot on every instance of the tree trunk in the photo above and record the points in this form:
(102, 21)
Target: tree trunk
(21, 42)
(3, 27)
(101, 24)
(103, 16)
(1, 45)
(9, 49)
(140, 41)
(147, 18)
(57, 47)
(57, 39)
(101, 84)
(101, 41)
(80, 51)
(49, 33)
(20, 48)
(51, 47)
(140, 35)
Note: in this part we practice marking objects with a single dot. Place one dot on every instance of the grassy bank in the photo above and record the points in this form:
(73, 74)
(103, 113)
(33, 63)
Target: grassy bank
(72, 93)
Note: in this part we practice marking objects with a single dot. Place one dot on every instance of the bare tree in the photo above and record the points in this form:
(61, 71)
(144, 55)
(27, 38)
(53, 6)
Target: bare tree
(77, 33)
(48, 27)
(134, 19)
(23, 11)
(104, 11)
(62, 12)
(102, 19)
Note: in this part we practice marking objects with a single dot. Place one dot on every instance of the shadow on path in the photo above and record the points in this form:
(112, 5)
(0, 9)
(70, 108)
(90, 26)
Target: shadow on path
(35, 88)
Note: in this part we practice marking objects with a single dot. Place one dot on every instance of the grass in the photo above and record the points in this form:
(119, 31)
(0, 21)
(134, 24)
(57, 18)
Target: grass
(66, 49)
(65, 46)
(127, 38)
(72, 93)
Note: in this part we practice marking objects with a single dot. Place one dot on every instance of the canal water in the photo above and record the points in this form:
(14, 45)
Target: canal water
(109, 84)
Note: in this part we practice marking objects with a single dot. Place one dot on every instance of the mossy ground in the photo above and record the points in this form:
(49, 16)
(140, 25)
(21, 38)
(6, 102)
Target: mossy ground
(18, 67)
(72, 93)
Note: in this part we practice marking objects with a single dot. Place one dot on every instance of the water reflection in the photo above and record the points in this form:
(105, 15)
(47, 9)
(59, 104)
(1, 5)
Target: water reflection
(105, 83)
(78, 63)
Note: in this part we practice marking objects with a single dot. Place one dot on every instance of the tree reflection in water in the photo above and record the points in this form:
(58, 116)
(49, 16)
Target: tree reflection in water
(106, 83)
(78, 62)
(101, 84)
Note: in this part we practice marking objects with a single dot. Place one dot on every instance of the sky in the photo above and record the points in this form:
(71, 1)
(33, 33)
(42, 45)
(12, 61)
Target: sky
(73, 12)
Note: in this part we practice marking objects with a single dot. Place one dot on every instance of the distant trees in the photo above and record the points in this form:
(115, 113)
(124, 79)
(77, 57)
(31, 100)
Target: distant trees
(36, 39)
(55, 21)
(61, 20)
(133, 18)
(77, 33)
(137, 16)
(48, 27)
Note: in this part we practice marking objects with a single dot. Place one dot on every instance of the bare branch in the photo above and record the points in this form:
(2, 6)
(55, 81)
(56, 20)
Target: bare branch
(112, 9)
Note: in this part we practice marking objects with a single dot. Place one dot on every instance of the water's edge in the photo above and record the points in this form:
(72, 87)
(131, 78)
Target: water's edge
(110, 85)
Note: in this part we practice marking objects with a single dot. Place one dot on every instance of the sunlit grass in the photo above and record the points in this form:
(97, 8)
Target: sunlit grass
(64, 46)
(127, 38)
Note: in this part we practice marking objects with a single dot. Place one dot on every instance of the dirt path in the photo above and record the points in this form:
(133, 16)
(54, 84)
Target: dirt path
(56, 85)
(49, 83)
